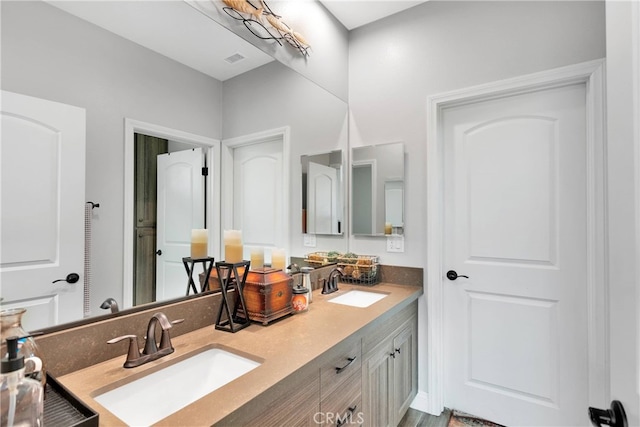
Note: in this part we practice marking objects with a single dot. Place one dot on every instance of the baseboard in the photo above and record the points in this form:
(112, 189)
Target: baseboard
(422, 403)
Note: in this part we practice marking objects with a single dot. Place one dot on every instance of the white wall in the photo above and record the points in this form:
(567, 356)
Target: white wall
(274, 96)
(49, 54)
(394, 64)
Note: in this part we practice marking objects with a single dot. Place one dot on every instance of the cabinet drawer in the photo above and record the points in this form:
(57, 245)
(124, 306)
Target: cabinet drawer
(346, 361)
(343, 406)
(387, 329)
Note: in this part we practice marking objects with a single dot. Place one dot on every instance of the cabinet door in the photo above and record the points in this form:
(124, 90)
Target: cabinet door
(147, 150)
(145, 271)
(404, 369)
(377, 388)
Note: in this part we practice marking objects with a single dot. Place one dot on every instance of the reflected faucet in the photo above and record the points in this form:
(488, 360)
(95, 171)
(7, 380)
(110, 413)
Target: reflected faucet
(151, 350)
(331, 284)
(293, 268)
(110, 303)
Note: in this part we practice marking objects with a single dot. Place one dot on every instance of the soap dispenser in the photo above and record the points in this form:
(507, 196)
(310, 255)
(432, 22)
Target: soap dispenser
(306, 280)
(21, 399)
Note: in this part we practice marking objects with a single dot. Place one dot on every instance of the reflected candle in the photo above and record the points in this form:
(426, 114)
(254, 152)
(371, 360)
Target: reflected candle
(278, 259)
(257, 258)
(232, 246)
(387, 228)
(199, 240)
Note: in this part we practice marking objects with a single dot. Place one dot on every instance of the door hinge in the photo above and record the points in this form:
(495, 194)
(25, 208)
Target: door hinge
(205, 171)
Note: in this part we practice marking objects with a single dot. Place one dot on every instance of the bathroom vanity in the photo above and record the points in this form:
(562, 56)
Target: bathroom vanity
(329, 365)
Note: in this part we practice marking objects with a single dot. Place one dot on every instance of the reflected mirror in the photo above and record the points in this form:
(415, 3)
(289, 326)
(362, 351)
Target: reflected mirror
(322, 193)
(50, 54)
(377, 189)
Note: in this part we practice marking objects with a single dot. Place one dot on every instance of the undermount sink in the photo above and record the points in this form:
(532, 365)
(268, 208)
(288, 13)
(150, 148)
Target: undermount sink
(153, 397)
(356, 298)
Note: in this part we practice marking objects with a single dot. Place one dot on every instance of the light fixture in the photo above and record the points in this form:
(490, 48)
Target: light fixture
(274, 29)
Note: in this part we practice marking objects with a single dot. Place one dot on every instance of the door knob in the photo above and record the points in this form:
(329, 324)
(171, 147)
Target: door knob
(159, 252)
(452, 275)
(614, 417)
(71, 278)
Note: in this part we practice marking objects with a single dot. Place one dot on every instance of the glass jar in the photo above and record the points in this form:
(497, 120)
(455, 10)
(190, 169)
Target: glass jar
(12, 326)
(300, 299)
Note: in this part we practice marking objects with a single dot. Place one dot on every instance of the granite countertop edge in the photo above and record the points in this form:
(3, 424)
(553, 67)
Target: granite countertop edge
(285, 346)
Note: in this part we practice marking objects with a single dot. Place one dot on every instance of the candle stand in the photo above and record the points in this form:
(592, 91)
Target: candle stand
(234, 307)
(189, 265)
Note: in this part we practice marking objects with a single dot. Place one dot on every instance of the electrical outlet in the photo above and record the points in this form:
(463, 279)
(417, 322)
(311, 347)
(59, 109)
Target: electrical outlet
(395, 243)
(310, 240)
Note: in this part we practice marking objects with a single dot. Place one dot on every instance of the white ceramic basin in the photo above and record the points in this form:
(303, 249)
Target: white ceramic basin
(153, 397)
(356, 298)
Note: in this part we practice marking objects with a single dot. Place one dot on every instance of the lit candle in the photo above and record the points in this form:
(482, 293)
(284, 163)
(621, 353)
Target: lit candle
(199, 240)
(232, 246)
(278, 259)
(257, 258)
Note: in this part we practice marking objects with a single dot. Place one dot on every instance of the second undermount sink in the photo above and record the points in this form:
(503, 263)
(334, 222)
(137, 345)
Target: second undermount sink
(153, 397)
(356, 298)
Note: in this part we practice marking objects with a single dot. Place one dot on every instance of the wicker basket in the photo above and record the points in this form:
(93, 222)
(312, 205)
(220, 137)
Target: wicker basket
(321, 258)
(362, 269)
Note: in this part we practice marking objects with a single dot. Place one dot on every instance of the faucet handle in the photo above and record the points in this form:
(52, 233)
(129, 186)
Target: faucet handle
(134, 352)
(165, 340)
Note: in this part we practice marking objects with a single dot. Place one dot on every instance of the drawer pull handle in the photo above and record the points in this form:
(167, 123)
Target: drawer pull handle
(347, 416)
(350, 361)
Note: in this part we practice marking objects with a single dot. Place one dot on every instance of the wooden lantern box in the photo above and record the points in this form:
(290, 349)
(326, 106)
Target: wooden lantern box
(267, 293)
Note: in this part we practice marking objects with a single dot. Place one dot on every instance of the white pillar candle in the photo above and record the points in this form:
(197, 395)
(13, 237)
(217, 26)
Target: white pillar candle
(232, 246)
(278, 259)
(257, 258)
(199, 243)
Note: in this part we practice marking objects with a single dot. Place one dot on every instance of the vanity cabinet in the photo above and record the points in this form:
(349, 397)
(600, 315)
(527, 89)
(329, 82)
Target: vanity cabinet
(389, 371)
(291, 403)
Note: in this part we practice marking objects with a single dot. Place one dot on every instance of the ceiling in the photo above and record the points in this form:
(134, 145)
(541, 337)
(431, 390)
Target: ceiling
(178, 31)
(356, 13)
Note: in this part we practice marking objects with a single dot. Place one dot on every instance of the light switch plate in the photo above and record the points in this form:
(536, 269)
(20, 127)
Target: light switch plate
(395, 243)
(310, 240)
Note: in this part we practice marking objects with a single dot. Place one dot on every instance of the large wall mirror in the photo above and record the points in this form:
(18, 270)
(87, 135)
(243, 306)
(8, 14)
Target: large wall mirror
(322, 193)
(50, 54)
(377, 188)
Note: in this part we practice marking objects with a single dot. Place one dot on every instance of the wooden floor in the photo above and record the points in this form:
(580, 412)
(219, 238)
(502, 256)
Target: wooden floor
(414, 418)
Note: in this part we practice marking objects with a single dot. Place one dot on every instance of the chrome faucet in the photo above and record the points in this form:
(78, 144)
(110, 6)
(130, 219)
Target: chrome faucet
(151, 350)
(331, 284)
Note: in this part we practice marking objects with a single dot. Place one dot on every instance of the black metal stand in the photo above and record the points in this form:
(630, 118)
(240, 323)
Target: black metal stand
(189, 265)
(236, 315)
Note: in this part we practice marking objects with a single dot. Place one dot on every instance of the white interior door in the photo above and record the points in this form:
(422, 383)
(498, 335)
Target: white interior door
(180, 208)
(322, 198)
(43, 176)
(516, 331)
(258, 196)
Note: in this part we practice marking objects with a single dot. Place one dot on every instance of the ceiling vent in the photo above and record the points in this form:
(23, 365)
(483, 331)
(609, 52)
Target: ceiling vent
(236, 57)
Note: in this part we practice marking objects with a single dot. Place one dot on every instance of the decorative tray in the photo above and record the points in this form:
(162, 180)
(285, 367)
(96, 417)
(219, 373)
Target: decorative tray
(62, 408)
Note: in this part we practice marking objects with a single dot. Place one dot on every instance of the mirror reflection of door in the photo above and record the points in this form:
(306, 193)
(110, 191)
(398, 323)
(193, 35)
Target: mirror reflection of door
(363, 198)
(322, 198)
(162, 236)
(180, 207)
(393, 203)
(43, 209)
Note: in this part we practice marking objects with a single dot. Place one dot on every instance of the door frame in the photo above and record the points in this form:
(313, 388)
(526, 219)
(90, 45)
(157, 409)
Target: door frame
(212, 153)
(431, 398)
(228, 147)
